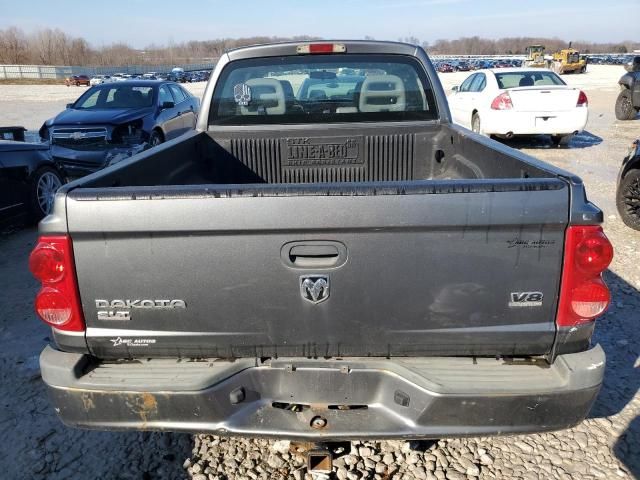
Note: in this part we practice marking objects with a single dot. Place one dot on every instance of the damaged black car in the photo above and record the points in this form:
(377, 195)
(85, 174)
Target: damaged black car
(113, 121)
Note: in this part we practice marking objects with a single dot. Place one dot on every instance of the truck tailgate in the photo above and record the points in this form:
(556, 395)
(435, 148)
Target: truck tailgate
(413, 269)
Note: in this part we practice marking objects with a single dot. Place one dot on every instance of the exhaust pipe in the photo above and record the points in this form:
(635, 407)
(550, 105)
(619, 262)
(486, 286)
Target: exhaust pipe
(509, 135)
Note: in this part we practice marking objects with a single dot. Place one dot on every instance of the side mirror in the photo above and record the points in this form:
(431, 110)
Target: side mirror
(69, 105)
(166, 105)
(455, 88)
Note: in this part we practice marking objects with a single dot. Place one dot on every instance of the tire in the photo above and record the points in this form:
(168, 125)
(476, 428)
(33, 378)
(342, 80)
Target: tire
(583, 69)
(628, 199)
(46, 181)
(156, 138)
(77, 84)
(561, 140)
(476, 126)
(624, 106)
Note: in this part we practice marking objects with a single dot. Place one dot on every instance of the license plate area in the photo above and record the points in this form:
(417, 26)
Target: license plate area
(546, 121)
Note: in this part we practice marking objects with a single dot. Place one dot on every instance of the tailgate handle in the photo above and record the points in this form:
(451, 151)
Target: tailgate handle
(314, 254)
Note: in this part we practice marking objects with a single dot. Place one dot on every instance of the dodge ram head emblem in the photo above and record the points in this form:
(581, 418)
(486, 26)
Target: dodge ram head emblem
(314, 288)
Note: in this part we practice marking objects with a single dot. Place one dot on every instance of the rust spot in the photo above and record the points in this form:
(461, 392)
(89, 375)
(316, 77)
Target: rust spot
(149, 401)
(87, 401)
(143, 405)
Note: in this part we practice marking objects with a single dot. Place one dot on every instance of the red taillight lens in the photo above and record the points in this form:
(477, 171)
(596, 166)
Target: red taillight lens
(583, 293)
(502, 102)
(46, 263)
(53, 307)
(58, 301)
(594, 252)
(582, 99)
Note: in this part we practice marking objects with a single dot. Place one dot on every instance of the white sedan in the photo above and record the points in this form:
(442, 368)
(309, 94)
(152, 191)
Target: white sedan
(99, 79)
(516, 101)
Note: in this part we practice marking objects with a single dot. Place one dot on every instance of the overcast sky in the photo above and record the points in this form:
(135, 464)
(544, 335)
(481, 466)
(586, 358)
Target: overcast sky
(142, 22)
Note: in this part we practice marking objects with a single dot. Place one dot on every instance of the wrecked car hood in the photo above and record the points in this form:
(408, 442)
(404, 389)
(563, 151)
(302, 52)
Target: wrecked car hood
(107, 116)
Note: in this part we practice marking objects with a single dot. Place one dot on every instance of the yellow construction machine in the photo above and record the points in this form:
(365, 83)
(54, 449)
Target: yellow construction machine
(567, 60)
(535, 57)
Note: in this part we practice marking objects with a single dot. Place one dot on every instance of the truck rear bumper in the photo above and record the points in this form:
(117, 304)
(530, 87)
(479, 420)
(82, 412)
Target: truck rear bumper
(354, 398)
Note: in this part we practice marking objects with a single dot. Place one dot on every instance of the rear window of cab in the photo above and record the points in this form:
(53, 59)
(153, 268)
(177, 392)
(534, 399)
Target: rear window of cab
(322, 89)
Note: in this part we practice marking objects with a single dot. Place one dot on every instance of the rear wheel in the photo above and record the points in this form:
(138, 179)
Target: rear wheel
(46, 182)
(628, 199)
(624, 106)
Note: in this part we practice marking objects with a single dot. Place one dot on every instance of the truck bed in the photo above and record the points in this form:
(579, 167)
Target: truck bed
(379, 153)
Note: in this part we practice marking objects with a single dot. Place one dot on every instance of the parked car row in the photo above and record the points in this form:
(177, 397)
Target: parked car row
(598, 59)
(478, 63)
(185, 77)
(179, 77)
(453, 65)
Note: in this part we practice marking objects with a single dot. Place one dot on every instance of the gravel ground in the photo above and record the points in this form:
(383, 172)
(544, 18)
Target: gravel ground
(606, 445)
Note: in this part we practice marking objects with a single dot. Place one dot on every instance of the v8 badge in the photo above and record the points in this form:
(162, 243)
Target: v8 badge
(526, 299)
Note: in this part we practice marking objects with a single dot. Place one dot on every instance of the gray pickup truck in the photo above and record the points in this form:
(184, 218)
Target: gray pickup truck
(325, 257)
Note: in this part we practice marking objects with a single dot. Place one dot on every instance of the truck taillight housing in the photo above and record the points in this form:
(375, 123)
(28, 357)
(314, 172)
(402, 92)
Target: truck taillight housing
(502, 102)
(583, 293)
(58, 301)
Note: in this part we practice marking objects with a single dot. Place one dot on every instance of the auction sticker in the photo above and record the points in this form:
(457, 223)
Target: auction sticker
(242, 94)
(132, 342)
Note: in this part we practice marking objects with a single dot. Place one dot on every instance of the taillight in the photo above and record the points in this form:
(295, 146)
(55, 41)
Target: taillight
(583, 293)
(502, 102)
(582, 100)
(321, 48)
(57, 302)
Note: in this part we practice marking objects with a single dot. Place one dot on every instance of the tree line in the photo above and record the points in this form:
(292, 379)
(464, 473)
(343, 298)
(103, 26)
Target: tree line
(54, 47)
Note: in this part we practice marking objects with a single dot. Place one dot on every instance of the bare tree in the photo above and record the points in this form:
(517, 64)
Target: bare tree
(13, 46)
(43, 45)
